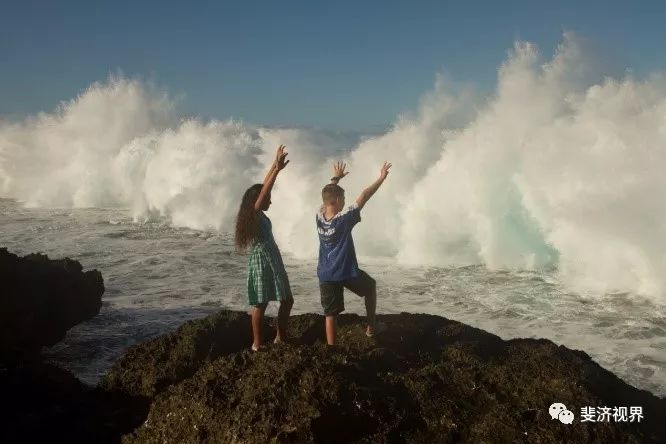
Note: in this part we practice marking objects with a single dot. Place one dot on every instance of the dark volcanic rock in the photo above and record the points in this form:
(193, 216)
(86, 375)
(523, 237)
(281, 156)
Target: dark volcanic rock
(43, 403)
(41, 299)
(426, 379)
(147, 368)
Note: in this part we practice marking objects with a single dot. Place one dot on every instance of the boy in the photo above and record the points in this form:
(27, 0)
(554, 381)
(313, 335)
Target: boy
(338, 268)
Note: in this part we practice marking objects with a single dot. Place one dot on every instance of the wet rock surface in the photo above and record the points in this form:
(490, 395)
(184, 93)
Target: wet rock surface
(40, 299)
(424, 379)
(43, 403)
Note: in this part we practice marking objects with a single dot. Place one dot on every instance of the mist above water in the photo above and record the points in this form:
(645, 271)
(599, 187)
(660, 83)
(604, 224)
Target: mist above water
(560, 167)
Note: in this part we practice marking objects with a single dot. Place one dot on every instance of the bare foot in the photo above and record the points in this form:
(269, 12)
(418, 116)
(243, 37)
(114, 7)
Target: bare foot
(371, 330)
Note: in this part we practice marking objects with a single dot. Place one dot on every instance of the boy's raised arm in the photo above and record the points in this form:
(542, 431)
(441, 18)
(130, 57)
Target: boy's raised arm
(372, 189)
(278, 164)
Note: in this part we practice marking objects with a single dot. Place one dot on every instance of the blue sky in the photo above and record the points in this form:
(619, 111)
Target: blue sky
(329, 64)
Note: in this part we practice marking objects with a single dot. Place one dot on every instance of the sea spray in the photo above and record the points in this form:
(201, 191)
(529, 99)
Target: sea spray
(560, 168)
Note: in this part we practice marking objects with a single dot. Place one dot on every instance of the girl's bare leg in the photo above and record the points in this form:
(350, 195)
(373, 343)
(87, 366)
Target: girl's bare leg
(283, 318)
(257, 323)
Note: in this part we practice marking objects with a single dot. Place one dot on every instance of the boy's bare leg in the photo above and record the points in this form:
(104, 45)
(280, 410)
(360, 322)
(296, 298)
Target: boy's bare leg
(283, 317)
(370, 308)
(257, 323)
(331, 329)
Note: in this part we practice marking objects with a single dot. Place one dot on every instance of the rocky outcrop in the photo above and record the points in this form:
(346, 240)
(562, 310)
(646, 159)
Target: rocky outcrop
(46, 404)
(425, 379)
(40, 300)
(148, 368)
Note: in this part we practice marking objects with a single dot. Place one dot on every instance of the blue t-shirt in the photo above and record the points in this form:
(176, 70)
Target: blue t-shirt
(337, 257)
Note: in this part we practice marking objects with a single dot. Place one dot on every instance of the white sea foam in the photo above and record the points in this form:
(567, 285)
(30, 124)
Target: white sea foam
(559, 167)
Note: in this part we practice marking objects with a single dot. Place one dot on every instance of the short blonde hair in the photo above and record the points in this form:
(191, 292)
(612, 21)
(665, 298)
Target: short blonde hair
(331, 192)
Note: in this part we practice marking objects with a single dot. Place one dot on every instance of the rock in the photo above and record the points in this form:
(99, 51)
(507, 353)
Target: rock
(146, 369)
(43, 403)
(42, 299)
(425, 379)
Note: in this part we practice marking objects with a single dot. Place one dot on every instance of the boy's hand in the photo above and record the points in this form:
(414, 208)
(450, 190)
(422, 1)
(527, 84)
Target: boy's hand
(280, 157)
(339, 171)
(385, 170)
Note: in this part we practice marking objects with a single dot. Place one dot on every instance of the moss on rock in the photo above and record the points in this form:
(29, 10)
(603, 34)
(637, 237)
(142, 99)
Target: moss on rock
(425, 379)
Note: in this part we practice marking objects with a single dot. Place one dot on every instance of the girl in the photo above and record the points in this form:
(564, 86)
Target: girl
(267, 279)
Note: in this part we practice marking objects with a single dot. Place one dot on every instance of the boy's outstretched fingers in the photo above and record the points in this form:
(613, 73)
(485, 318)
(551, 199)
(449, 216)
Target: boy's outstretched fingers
(339, 170)
(385, 169)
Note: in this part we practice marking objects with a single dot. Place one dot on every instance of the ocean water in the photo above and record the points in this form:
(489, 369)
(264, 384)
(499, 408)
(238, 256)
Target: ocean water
(535, 210)
(157, 276)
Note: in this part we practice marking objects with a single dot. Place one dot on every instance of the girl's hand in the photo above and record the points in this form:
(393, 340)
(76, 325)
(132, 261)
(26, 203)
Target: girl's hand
(385, 170)
(280, 157)
(339, 170)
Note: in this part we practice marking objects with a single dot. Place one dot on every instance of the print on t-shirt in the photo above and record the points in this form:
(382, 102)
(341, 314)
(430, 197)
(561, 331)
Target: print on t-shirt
(337, 257)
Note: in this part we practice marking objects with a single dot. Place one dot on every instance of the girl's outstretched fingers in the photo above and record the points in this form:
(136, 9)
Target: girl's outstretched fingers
(281, 156)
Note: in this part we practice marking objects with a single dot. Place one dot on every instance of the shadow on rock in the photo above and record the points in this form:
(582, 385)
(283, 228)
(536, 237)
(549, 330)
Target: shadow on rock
(41, 300)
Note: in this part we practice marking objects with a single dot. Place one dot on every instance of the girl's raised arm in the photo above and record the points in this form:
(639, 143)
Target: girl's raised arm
(270, 170)
(269, 180)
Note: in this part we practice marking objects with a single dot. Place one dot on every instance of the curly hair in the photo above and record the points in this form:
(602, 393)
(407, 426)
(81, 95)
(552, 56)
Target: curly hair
(247, 221)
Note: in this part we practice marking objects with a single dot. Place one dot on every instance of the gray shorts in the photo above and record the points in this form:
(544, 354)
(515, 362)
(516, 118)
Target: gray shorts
(332, 298)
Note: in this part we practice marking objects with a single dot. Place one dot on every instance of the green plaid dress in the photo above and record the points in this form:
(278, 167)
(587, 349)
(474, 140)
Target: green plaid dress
(266, 279)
